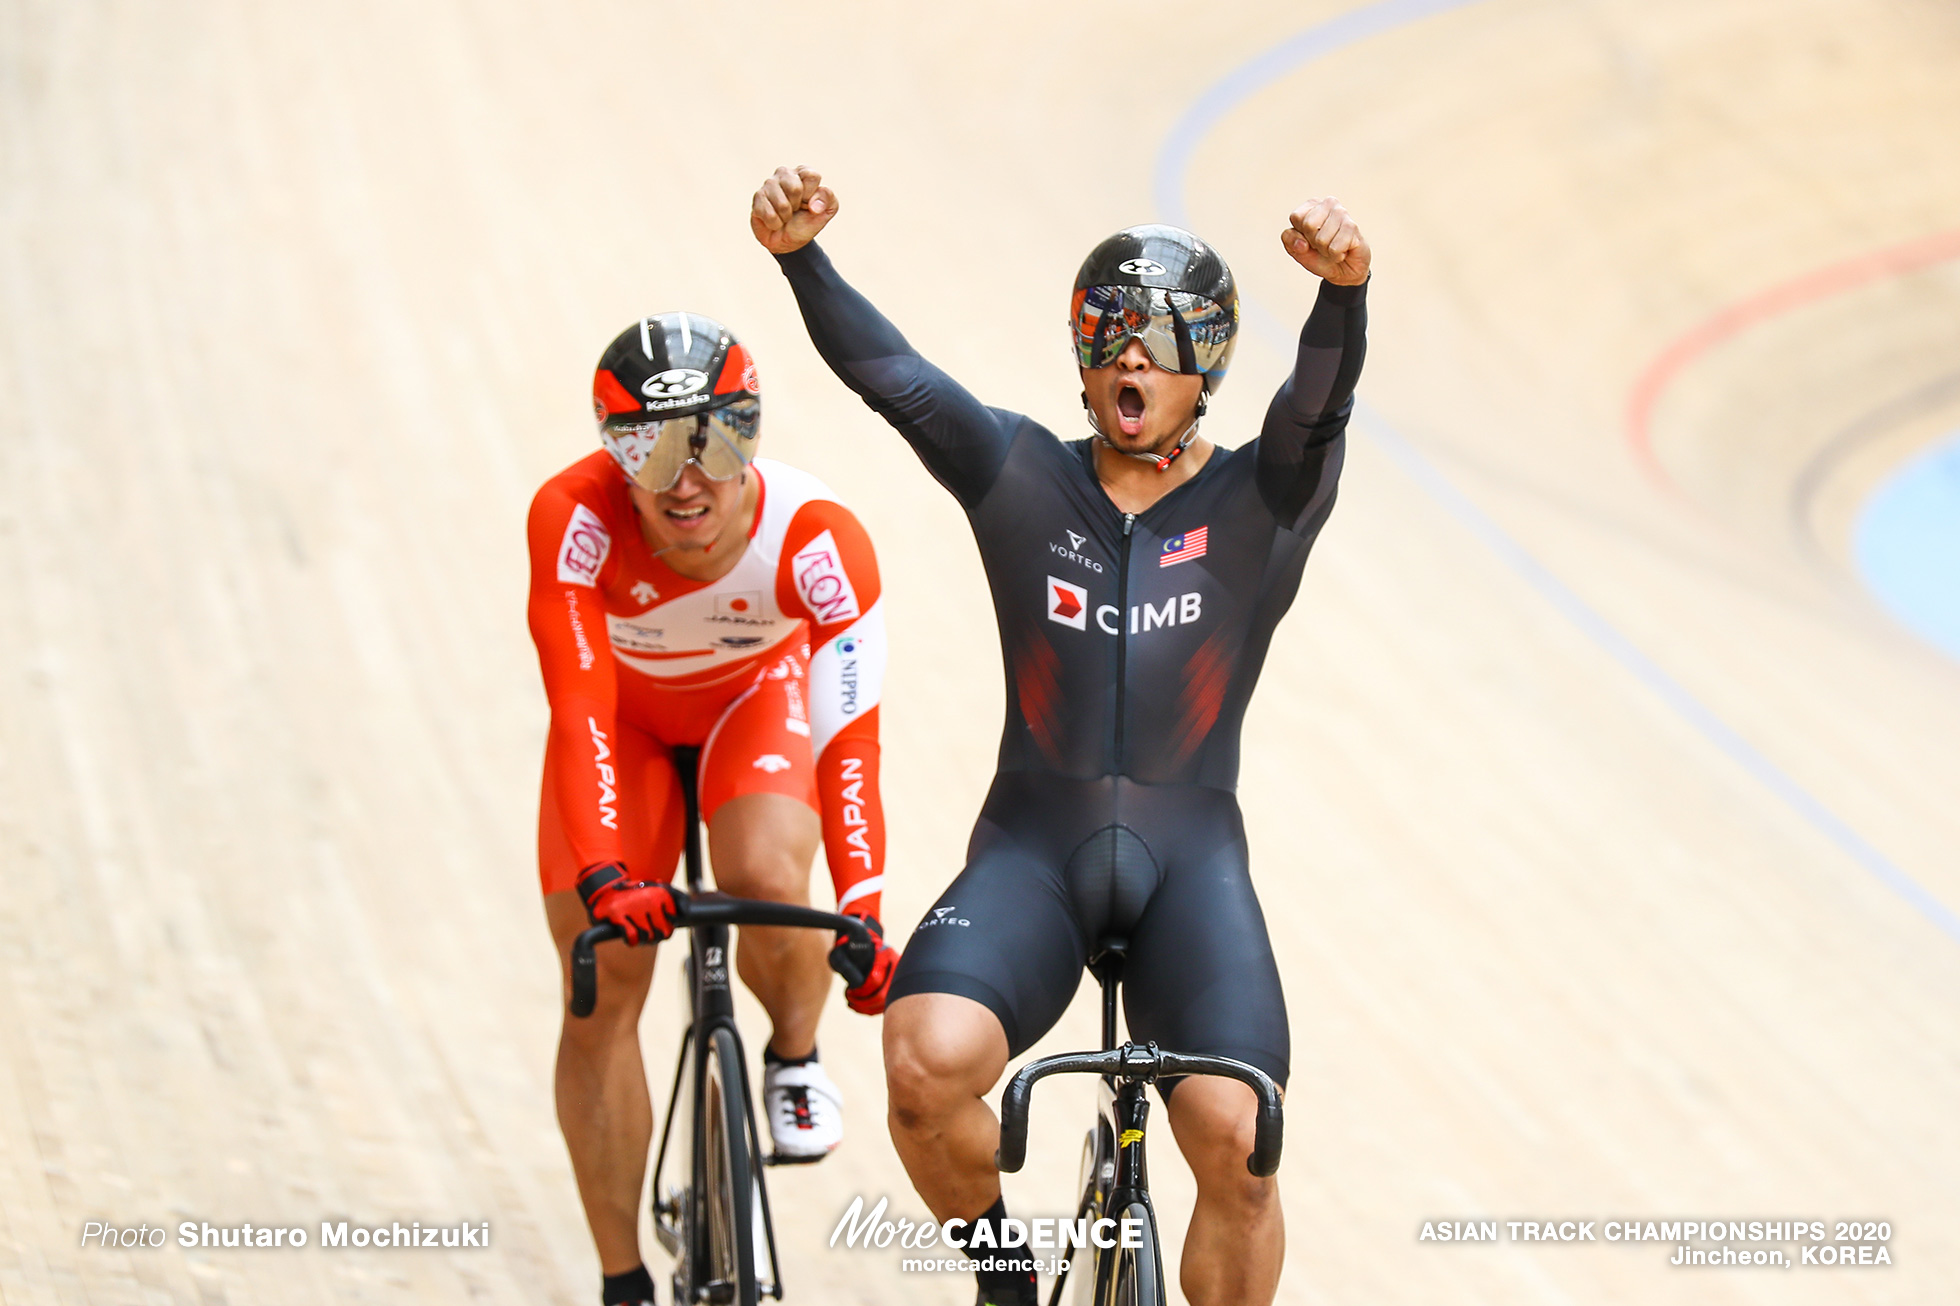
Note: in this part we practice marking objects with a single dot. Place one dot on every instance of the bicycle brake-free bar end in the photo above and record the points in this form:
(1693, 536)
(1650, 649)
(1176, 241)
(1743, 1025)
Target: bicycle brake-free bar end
(585, 969)
(1266, 1139)
(585, 980)
(1013, 1151)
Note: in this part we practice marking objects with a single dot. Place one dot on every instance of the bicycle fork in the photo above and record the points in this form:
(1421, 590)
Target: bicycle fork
(713, 1007)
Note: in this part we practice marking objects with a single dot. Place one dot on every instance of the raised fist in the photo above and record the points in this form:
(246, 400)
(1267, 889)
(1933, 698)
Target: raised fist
(1323, 239)
(790, 208)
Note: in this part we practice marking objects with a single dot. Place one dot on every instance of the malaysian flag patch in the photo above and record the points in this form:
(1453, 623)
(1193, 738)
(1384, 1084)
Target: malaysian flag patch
(1183, 548)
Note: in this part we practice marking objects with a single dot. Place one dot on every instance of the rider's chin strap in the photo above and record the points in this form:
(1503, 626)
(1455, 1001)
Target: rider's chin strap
(1162, 461)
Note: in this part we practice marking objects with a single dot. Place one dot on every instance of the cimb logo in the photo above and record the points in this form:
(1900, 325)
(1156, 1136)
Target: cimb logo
(1178, 610)
(1068, 605)
(673, 383)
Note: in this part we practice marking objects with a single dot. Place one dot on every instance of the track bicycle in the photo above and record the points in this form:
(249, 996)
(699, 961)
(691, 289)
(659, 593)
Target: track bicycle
(715, 1220)
(1114, 1182)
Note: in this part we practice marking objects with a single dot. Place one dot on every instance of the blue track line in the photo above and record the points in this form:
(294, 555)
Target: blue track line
(1174, 159)
(1907, 543)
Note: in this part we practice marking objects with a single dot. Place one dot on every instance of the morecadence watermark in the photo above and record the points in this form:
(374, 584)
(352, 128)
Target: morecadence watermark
(862, 1230)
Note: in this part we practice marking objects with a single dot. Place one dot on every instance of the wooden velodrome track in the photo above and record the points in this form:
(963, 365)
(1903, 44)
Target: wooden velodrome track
(1602, 825)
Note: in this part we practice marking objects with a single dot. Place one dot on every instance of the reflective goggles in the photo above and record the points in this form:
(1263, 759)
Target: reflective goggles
(720, 442)
(1184, 332)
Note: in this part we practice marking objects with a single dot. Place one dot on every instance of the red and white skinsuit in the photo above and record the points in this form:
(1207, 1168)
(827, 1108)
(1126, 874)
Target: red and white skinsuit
(774, 671)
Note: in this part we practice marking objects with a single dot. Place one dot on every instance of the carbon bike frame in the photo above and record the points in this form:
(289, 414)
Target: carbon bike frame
(711, 1007)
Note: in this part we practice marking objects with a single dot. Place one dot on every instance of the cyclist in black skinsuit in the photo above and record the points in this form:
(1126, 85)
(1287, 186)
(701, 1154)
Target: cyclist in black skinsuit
(1137, 577)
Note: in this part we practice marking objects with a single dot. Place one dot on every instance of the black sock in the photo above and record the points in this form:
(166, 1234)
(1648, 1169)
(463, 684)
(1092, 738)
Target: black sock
(769, 1057)
(1012, 1267)
(628, 1289)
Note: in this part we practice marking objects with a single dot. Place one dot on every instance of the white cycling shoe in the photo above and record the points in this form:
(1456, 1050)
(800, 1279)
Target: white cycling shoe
(805, 1110)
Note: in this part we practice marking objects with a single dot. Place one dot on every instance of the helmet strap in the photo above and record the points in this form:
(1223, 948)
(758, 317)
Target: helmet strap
(1161, 462)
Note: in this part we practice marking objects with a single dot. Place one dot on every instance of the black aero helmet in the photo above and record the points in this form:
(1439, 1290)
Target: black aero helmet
(1161, 285)
(677, 387)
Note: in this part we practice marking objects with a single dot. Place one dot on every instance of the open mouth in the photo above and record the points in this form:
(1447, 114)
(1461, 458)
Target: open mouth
(688, 515)
(1129, 409)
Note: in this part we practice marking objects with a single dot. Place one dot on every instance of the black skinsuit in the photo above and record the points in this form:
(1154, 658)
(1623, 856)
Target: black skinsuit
(1131, 644)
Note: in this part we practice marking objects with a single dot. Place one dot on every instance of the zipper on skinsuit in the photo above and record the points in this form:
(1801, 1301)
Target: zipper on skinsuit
(1122, 631)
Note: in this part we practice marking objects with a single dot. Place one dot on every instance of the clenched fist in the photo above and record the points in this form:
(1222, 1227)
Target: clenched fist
(790, 208)
(1322, 238)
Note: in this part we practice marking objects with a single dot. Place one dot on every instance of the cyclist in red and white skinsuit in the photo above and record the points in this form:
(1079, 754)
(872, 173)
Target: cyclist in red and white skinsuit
(736, 610)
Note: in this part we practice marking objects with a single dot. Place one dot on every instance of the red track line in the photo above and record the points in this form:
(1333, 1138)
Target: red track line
(1737, 317)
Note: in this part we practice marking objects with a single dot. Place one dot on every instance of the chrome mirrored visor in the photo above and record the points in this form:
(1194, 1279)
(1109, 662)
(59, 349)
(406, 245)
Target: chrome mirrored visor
(1184, 332)
(720, 442)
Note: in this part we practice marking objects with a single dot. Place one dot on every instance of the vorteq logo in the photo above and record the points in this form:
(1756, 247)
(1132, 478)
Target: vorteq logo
(1068, 604)
(1141, 267)
(1072, 552)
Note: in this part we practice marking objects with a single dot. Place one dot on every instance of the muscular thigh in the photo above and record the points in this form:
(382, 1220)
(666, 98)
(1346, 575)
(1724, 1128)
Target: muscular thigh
(1003, 935)
(1201, 975)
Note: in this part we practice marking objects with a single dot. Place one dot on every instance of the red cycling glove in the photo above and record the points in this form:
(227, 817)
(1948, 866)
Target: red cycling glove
(868, 994)
(645, 912)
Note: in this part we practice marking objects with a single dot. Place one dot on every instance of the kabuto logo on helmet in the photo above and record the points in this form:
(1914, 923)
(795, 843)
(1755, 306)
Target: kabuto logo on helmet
(673, 365)
(1142, 267)
(674, 383)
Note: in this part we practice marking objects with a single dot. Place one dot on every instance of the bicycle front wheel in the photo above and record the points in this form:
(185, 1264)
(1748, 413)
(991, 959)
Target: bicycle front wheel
(727, 1200)
(1137, 1278)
